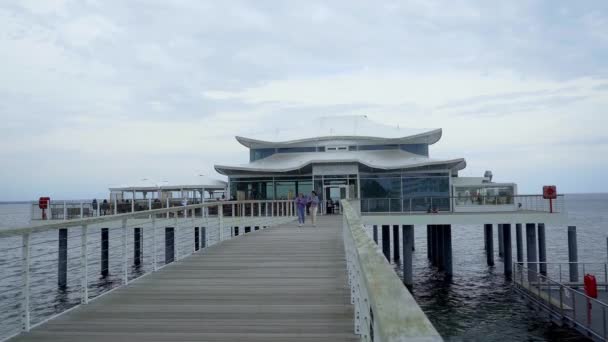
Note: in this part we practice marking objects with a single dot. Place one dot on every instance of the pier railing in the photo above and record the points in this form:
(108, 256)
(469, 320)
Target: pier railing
(384, 308)
(473, 204)
(53, 266)
(565, 303)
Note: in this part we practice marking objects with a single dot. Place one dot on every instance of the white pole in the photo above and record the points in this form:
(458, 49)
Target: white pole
(125, 270)
(25, 304)
(154, 258)
(81, 210)
(115, 204)
(84, 299)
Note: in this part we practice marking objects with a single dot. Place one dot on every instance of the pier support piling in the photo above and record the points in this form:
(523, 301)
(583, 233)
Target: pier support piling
(489, 236)
(520, 244)
(542, 249)
(507, 250)
(169, 245)
(396, 250)
(447, 249)
(386, 242)
(408, 243)
(375, 233)
(572, 254)
(500, 243)
(531, 251)
(62, 259)
(105, 252)
(137, 246)
(247, 230)
(197, 243)
(428, 243)
(439, 247)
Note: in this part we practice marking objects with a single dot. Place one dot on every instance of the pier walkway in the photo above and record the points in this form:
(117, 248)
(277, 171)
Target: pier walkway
(283, 283)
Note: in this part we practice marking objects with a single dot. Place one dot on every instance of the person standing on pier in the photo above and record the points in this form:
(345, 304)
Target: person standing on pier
(314, 206)
(301, 207)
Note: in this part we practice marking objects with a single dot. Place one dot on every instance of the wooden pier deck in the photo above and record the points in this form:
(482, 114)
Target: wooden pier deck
(280, 284)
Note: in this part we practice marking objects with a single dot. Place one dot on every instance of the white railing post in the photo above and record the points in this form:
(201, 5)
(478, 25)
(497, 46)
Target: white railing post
(81, 210)
(259, 208)
(167, 207)
(98, 209)
(220, 217)
(25, 304)
(115, 205)
(84, 265)
(176, 236)
(65, 210)
(125, 269)
(150, 206)
(154, 256)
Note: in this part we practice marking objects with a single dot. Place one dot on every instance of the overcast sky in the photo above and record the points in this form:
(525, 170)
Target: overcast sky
(99, 93)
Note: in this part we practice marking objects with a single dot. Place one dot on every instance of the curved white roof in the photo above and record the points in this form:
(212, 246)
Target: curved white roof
(386, 160)
(358, 128)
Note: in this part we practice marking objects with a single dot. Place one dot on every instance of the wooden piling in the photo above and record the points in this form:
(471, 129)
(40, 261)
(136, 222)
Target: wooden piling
(62, 259)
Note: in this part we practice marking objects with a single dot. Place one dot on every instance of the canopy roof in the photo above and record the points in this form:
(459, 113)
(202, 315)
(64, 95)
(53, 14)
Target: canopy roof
(384, 160)
(196, 183)
(356, 128)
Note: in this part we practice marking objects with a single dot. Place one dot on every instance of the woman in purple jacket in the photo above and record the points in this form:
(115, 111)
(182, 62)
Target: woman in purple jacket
(301, 207)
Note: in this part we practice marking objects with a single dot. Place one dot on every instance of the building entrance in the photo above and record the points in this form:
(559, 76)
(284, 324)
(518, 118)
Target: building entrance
(332, 196)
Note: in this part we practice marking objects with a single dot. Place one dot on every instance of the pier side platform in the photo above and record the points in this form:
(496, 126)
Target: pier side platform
(283, 283)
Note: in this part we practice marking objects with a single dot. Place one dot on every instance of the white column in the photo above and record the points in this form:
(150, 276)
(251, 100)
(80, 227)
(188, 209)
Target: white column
(25, 264)
(125, 269)
(81, 210)
(84, 299)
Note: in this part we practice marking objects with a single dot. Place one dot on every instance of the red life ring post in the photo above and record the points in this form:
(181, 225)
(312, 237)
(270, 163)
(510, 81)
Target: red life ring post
(550, 193)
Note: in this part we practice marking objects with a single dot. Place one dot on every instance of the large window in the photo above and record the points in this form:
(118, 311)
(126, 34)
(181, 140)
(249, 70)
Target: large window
(484, 195)
(260, 153)
(426, 193)
(421, 149)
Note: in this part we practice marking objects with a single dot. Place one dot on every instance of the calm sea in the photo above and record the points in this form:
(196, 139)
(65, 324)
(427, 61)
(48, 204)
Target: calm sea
(477, 304)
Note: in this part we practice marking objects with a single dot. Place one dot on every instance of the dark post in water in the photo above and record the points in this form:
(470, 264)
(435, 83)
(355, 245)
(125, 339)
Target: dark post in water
(507, 250)
(137, 244)
(169, 245)
(105, 252)
(573, 254)
(542, 249)
(62, 259)
(520, 244)
(396, 242)
(197, 244)
(408, 243)
(447, 249)
(428, 243)
(386, 242)
(500, 243)
(531, 251)
(489, 235)
(375, 234)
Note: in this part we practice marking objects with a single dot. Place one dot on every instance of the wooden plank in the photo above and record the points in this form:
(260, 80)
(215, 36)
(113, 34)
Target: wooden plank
(280, 284)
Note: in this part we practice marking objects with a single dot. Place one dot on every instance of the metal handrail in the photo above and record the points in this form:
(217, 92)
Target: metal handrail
(384, 308)
(532, 283)
(25, 245)
(461, 204)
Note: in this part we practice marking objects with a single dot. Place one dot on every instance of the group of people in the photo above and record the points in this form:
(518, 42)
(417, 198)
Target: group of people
(304, 201)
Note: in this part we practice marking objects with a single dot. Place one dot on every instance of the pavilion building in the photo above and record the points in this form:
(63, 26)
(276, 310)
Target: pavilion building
(387, 168)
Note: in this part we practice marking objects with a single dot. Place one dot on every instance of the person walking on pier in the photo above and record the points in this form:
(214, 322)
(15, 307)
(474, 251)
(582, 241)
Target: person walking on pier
(301, 207)
(314, 206)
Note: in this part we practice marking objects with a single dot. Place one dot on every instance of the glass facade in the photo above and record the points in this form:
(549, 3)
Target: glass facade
(490, 194)
(405, 192)
(270, 188)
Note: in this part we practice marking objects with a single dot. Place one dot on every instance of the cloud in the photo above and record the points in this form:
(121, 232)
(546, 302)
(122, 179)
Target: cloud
(97, 92)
